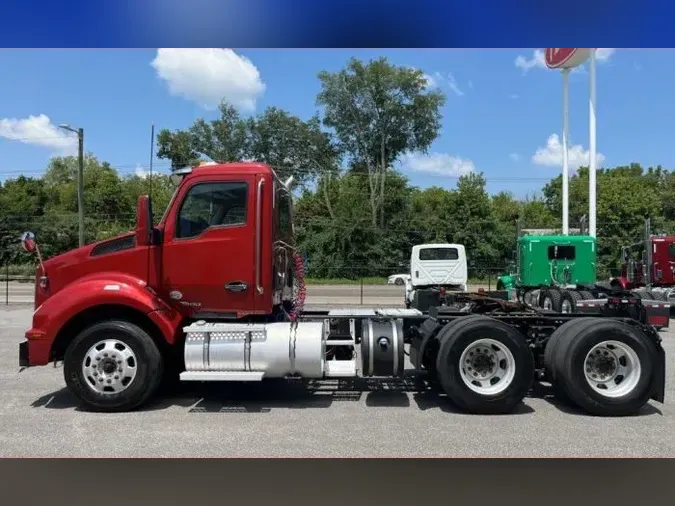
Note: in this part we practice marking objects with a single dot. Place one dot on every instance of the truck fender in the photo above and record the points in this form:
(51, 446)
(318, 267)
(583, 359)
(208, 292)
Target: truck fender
(101, 289)
(428, 330)
(505, 283)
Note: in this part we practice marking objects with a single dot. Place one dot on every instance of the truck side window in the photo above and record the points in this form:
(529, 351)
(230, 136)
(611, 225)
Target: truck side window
(671, 250)
(561, 252)
(210, 205)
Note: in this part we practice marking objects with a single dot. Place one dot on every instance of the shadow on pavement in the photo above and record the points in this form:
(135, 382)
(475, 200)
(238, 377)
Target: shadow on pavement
(267, 395)
(543, 391)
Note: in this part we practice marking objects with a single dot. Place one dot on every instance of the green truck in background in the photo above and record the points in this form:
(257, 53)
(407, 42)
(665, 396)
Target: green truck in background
(553, 271)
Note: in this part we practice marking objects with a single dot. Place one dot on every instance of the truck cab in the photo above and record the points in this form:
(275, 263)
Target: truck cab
(224, 249)
(649, 271)
(435, 269)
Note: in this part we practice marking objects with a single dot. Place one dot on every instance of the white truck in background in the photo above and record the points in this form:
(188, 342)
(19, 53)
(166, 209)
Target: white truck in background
(434, 270)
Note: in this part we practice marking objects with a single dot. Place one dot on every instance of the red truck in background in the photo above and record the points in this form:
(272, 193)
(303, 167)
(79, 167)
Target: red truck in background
(215, 292)
(648, 267)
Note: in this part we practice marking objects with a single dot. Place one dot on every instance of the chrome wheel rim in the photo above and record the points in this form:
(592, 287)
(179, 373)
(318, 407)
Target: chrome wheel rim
(566, 306)
(487, 367)
(612, 369)
(109, 367)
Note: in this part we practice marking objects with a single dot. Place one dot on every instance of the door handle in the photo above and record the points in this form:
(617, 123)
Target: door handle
(236, 286)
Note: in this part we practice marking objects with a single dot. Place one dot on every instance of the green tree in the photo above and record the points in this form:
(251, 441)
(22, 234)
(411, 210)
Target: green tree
(291, 146)
(379, 111)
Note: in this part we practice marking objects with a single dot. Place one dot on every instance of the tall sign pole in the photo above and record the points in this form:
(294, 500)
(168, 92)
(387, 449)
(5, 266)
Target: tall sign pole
(591, 148)
(565, 58)
(565, 153)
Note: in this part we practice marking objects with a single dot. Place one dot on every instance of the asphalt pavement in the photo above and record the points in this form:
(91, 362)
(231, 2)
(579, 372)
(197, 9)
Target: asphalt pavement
(374, 418)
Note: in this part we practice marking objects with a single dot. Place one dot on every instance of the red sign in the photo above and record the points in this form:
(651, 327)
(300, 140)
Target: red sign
(565, 57)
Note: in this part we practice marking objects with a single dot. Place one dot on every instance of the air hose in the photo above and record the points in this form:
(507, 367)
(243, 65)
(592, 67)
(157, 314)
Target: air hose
(299, 299)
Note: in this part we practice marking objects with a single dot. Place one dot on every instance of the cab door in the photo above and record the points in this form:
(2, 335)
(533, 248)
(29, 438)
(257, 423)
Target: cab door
(209, 247)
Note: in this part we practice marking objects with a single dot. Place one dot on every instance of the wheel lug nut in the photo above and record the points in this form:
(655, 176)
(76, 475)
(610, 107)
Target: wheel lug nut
(105, 354)
(98, 358)
(109, 381)
(117, 377)
(101, 380)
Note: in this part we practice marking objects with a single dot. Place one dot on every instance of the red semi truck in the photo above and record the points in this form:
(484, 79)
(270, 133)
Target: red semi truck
(215, 292)
(648, 267)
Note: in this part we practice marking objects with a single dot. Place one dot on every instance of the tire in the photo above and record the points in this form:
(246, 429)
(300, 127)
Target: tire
(628, 345)
(552, 294)
(586, 295)
(480, 335)
(660, 295)
(399, 282)
(550, 352)
(569, 298)
(137, 356)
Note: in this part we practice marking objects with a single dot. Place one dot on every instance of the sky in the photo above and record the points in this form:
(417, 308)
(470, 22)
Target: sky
(503, 115)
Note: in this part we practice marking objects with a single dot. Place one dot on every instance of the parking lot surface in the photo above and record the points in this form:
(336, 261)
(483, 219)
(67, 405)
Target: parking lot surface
(39, 417)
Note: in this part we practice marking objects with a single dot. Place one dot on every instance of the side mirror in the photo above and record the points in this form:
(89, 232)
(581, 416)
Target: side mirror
(28, 242)
(144, 221)
(30, 245)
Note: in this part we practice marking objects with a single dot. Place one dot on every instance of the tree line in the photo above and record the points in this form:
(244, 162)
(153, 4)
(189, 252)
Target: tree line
(355, 214)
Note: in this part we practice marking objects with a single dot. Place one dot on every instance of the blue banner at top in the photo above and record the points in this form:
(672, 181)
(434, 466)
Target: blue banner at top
(328, 24)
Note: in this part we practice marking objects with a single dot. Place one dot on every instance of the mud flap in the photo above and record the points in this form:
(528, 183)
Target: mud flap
(419, 343)
(659, 376)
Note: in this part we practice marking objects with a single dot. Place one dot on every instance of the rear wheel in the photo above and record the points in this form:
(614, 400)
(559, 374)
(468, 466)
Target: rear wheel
(550, 300)
(113, 366)
(586, 295)
(568, 301)
(605, 367)
(484, 365)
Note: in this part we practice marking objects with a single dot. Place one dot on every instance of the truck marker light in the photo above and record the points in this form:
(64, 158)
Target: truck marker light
(111, 288)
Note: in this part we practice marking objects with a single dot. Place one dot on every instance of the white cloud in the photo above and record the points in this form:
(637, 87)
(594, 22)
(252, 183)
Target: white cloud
(431, 82)
(141, 171)
(207, 76)
(551, 155)
(538, 59)
(438, 79)
(604, 54)
(514, 156)
(437, 163)
(39, 131)
(452, 84)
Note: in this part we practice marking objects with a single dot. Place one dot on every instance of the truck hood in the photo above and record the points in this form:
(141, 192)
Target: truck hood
(118, 254)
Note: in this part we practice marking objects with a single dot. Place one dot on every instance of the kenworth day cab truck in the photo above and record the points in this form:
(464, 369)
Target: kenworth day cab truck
(215, 292)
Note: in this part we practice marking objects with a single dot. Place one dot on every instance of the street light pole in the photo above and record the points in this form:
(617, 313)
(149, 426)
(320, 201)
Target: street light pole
(80, 178)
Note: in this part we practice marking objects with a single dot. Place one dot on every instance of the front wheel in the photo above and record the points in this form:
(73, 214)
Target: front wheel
(399, 282)
(113, 366)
